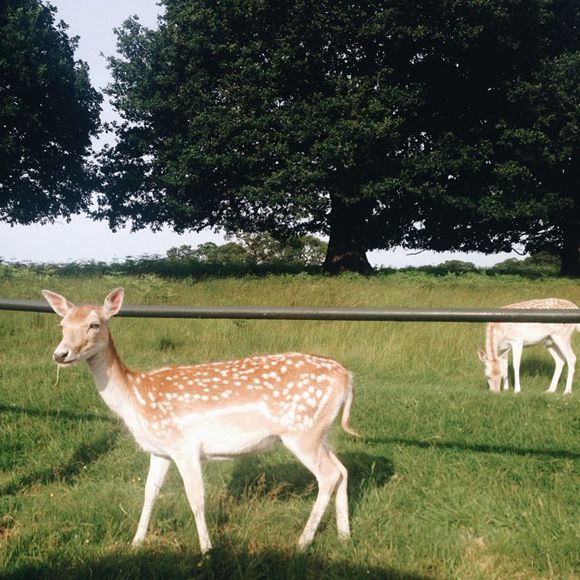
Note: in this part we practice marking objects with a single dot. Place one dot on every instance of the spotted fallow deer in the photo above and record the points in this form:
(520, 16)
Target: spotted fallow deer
(215, 411)
(501, 337)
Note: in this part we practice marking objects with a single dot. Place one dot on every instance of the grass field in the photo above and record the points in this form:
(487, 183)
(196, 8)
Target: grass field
(449, 480)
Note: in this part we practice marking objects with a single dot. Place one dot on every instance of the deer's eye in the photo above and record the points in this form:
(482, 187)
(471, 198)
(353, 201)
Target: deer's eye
(94, 326)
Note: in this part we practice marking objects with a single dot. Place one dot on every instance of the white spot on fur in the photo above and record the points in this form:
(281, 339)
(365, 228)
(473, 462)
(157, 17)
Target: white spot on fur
(139, 398)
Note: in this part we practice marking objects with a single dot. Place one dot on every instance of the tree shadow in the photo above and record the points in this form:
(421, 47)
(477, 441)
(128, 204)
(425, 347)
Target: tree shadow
(85, 454)
(175, 564)
(54, 414)
(477, 448)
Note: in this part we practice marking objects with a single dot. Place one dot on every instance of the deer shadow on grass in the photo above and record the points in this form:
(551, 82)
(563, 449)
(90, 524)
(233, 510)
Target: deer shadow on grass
(535, 366)
(252, 478)
(156, 563)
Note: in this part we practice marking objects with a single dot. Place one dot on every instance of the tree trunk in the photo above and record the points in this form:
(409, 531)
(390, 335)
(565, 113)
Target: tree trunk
(570, 251)
(346, 246)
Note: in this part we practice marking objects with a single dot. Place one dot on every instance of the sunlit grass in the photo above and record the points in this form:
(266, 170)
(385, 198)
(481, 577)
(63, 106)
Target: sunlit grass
(449, 481)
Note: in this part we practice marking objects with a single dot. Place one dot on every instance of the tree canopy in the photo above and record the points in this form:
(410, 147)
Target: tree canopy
(500, 165)
(255, 116)
(436, 124)
(48, 113)
(550, 154)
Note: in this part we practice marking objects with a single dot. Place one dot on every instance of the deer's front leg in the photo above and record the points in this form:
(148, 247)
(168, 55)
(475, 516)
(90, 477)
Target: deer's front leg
(517, 349)
(158, 467)
(506, 382)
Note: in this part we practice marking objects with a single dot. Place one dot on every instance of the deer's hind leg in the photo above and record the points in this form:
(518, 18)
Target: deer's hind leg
(330, 474)
(559, 360)
(563, 345)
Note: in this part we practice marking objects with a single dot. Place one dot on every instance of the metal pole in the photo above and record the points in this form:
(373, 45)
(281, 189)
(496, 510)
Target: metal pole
(569, 316)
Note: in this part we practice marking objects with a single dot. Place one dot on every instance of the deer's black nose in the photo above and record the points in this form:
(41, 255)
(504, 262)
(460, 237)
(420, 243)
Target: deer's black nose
(60, 355)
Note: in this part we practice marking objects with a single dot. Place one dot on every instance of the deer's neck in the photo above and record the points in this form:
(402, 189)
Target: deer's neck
(491, 342)
(111, 378)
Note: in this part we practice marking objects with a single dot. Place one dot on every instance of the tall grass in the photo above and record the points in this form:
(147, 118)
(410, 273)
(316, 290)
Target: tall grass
(449, 481)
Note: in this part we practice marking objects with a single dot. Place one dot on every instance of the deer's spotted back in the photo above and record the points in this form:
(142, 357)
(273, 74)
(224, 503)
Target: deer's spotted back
(288, 389)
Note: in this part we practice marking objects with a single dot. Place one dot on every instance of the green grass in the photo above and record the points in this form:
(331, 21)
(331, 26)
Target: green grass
(449, 480)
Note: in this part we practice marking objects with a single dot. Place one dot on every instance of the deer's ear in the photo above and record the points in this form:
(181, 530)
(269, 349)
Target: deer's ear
(58, 303)
(481, 355)
(114, 301)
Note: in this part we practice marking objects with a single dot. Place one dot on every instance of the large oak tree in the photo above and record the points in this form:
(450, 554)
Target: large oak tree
(377, 123)
(286, 117)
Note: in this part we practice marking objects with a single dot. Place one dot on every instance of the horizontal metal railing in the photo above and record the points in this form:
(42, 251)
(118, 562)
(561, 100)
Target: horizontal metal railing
(345, 314)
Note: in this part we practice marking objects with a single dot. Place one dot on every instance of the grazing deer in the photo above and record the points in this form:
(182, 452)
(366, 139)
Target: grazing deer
(502, 336)
(215, 411)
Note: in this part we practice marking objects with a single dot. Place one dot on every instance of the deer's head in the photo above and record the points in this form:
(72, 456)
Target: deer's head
(496, 369)
(85, 330)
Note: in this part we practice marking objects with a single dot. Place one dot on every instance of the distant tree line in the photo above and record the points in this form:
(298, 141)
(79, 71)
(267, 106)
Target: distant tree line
(256, 250)
(309, 252)
(442, 125)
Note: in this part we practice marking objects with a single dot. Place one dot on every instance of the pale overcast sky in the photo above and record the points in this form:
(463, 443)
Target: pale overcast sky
(82, 239)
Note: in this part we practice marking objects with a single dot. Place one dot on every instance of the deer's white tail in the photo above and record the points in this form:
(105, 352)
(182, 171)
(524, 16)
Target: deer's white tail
(346, 408)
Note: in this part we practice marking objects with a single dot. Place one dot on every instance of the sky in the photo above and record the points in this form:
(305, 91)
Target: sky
(82, 239)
